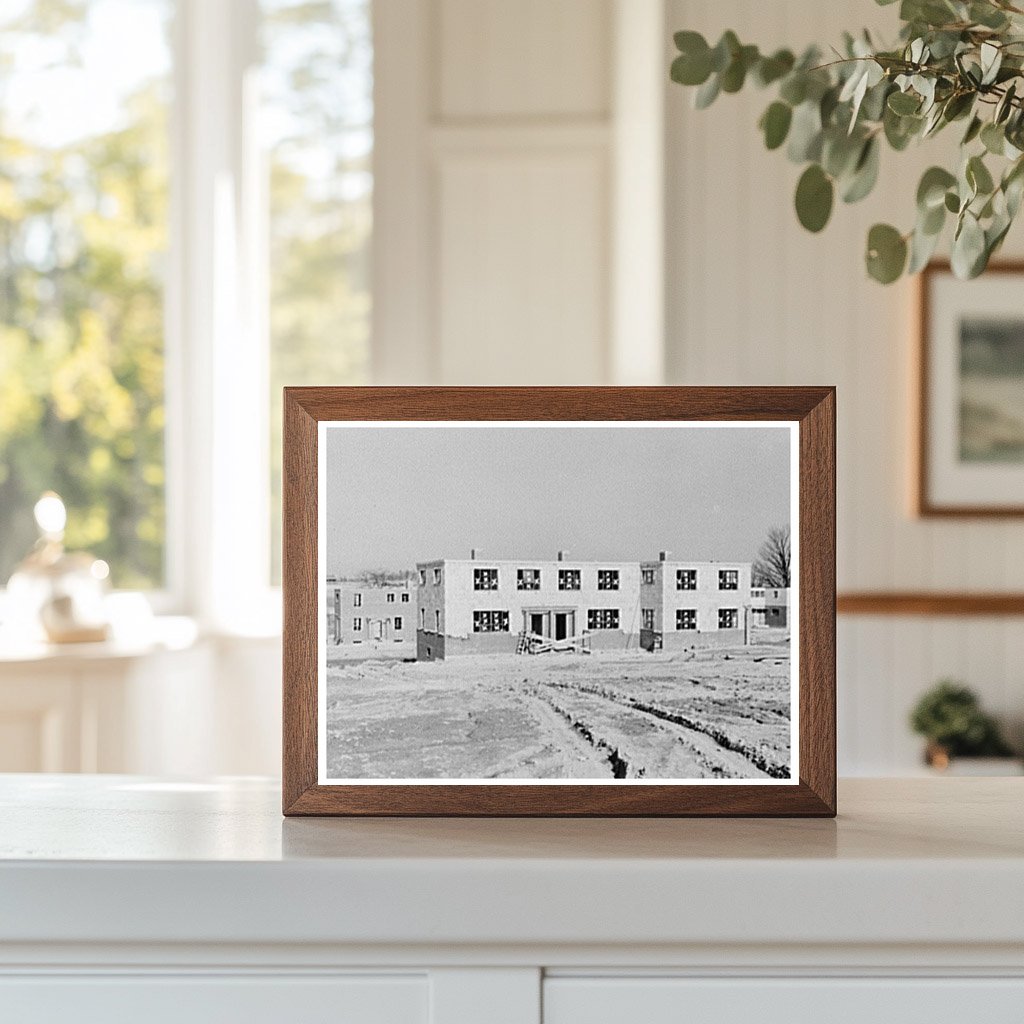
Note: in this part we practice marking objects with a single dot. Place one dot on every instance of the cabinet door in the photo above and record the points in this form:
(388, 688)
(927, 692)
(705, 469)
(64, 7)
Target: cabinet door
(202, 999)
(783, 1001)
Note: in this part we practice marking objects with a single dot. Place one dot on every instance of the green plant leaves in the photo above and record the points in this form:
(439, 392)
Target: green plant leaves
(865, 173)
(969, 253)
(814, 197)
(775, 122)
(904, 103)
(886, 254)
(693, 65)
(957, 60)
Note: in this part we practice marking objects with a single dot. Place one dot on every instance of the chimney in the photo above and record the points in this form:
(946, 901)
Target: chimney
(561, 555)
(472, 554)
(663, 556)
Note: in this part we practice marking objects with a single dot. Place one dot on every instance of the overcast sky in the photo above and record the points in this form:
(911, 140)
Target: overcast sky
(401, 495)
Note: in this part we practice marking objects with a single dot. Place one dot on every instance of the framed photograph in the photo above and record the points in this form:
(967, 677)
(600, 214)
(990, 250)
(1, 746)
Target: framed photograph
(970, 445)
(559, 601)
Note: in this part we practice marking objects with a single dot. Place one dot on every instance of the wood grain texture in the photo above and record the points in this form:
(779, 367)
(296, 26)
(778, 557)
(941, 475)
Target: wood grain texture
(924, 506)
(925, 603)
(812, 407)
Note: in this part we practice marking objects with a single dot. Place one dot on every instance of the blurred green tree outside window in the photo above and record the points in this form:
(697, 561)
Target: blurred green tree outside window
(317, 88)
(84, 210)
(83, 236)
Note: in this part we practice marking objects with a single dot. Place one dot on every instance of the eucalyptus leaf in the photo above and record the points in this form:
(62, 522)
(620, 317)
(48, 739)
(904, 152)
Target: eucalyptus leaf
(805, 133)
(886, 253)
(978, 176)
(922, 247)
(904, 103)
(865, 173)
(775, 124)
(968, 248)
(814, 196)
(993, 138)
(931, 190)
(707, 93)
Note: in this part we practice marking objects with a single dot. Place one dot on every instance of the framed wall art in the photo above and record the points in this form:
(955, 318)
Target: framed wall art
(970, 423)
(559, 601)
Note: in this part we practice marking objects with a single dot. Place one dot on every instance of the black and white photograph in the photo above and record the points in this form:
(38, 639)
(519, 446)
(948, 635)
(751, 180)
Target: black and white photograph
(558, 602)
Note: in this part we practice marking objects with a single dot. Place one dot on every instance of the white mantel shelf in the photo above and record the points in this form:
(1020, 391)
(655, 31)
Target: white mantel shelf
(921, 862)
(124, 898)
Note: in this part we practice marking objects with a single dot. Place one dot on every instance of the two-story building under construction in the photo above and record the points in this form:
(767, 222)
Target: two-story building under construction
(686, 604)
(475, 606)
(373, 614)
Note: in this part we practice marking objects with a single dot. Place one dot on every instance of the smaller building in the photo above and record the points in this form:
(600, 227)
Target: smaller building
(687, 604)
(776, 607)
(373, 614)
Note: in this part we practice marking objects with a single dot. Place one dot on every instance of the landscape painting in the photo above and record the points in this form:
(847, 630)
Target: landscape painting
(992, 389)
(568, 602)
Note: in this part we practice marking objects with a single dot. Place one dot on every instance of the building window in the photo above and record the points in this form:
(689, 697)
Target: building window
(757, 592)
(405, 598)
(647, 616)
(437, 577)
(423, 618)
(647, 577)
(437, 621)
(728, 579)
(728, 618)
(607, 579)
(568, 579)
(423, 577)
(485, 579)
(391, 598)
(528, 579)
(490, 622)
(357, 625)
(603, 618)
(686, 579)
(398, 622)
(686, 618)
(357, 600)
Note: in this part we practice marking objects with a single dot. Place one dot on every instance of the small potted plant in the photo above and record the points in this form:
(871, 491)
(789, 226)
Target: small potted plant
(950, 718)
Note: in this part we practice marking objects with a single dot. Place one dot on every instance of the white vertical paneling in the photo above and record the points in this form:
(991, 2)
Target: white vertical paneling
(531, 58)
(753, 299)
(520, 286)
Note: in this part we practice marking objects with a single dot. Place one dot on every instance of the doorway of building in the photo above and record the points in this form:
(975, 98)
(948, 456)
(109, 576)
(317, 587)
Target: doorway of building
(561, 625)
(537, 624)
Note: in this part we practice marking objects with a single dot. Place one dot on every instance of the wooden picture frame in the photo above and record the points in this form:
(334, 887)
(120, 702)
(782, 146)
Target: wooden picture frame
(941, 489)
(810, 411)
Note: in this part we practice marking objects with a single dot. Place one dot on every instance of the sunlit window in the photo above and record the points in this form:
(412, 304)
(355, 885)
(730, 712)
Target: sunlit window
(83, 235)
(317, 119)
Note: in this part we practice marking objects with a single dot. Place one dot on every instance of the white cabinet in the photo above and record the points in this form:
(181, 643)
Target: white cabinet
(829, 1000)
(215, 1000)
(133, 899)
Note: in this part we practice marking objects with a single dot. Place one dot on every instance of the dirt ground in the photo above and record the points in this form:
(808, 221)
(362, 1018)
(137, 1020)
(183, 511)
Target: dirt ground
(692, 715)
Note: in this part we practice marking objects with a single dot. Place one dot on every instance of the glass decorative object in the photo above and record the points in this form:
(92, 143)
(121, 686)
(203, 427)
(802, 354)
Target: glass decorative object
(59, 596)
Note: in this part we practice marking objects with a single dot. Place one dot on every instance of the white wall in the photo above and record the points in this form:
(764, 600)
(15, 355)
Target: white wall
(754, 299)
(514, 152)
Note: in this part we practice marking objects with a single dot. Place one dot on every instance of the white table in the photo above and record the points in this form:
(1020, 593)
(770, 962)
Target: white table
(125, 898)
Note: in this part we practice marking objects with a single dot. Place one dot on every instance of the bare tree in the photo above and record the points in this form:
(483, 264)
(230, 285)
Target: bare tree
(772, 567)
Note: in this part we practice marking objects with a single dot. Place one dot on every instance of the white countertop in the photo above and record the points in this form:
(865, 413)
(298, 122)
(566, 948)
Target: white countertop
(121, 859)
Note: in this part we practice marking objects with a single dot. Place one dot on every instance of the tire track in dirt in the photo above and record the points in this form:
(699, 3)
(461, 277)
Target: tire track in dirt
(729, 752)
(634, 761)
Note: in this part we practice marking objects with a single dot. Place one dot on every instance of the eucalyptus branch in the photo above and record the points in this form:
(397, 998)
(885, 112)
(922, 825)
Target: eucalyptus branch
(955, 61)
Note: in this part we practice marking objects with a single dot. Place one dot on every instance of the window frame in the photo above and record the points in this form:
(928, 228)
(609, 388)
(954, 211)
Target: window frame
(612, 581)
(570, 579)
(686, 620)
